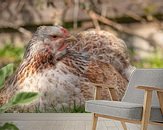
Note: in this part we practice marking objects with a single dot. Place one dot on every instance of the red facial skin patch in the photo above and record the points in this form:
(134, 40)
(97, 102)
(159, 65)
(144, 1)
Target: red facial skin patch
(65, 31)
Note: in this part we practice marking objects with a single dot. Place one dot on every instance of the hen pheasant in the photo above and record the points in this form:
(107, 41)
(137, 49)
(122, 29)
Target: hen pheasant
(101, 58)
(57, 65)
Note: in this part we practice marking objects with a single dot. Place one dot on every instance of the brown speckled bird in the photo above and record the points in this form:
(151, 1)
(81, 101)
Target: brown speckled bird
(102, 58)
(57, 65)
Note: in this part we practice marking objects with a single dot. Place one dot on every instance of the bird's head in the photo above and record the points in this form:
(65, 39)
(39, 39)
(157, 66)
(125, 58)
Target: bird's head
(49, 39)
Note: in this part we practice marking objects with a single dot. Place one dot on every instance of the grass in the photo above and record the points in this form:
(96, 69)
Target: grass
(155, 61)
(74, 109)
(9, 53)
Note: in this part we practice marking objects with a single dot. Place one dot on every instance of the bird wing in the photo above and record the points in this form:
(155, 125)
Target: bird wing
(103, 46)
(102, 73)
(108, 60)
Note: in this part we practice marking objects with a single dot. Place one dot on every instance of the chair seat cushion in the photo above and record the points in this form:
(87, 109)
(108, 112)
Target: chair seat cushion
(131, 111)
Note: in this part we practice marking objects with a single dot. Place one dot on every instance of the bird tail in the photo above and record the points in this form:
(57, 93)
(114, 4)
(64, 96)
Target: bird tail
(128, 71)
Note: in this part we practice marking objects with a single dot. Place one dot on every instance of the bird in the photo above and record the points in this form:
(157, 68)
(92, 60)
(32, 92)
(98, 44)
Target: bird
(108, 64)
(58, 65)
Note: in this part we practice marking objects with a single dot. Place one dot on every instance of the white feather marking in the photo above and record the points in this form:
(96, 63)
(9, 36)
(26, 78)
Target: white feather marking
(56, 86)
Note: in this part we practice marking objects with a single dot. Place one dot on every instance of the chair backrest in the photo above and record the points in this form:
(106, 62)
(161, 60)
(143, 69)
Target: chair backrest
(143, 77)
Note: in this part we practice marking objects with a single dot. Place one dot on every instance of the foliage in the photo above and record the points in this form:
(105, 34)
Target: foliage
(74, 109)
(8, 126)
(64, 109)
(12, 52)
(5, 72)
(150, 9)
(9, 53)
(19, 99)
(156, 61)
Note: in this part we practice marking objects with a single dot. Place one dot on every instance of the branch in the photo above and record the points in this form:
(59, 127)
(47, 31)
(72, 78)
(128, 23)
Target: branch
(95, 20)
(116, 26)
(76, 11)
(20, 29)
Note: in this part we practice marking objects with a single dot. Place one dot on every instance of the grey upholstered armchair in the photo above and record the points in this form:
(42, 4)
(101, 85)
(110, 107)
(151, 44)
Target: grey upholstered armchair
(142, 103)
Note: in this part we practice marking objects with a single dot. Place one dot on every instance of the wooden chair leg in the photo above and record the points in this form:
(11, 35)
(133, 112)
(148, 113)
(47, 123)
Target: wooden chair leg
(110, 95)
(146, 110)
(94, 122)
(124, 125)
(160, 98)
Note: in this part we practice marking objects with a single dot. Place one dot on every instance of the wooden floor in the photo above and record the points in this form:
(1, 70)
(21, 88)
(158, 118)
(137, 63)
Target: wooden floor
(60, 121)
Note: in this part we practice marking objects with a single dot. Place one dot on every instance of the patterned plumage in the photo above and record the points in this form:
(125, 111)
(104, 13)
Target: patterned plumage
(107, 62)
(58, 67)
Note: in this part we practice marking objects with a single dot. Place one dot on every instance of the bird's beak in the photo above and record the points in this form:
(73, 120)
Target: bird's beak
(70, 39)
(62, 50)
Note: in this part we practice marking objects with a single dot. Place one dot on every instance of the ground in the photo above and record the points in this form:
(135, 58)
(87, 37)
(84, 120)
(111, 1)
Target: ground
(60, 121)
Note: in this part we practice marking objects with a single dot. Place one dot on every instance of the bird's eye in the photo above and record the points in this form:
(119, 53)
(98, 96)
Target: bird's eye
(54, 36)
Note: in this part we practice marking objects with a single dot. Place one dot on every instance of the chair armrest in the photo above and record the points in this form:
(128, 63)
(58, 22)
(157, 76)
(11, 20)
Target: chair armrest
(98, 88)
(149, 88)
